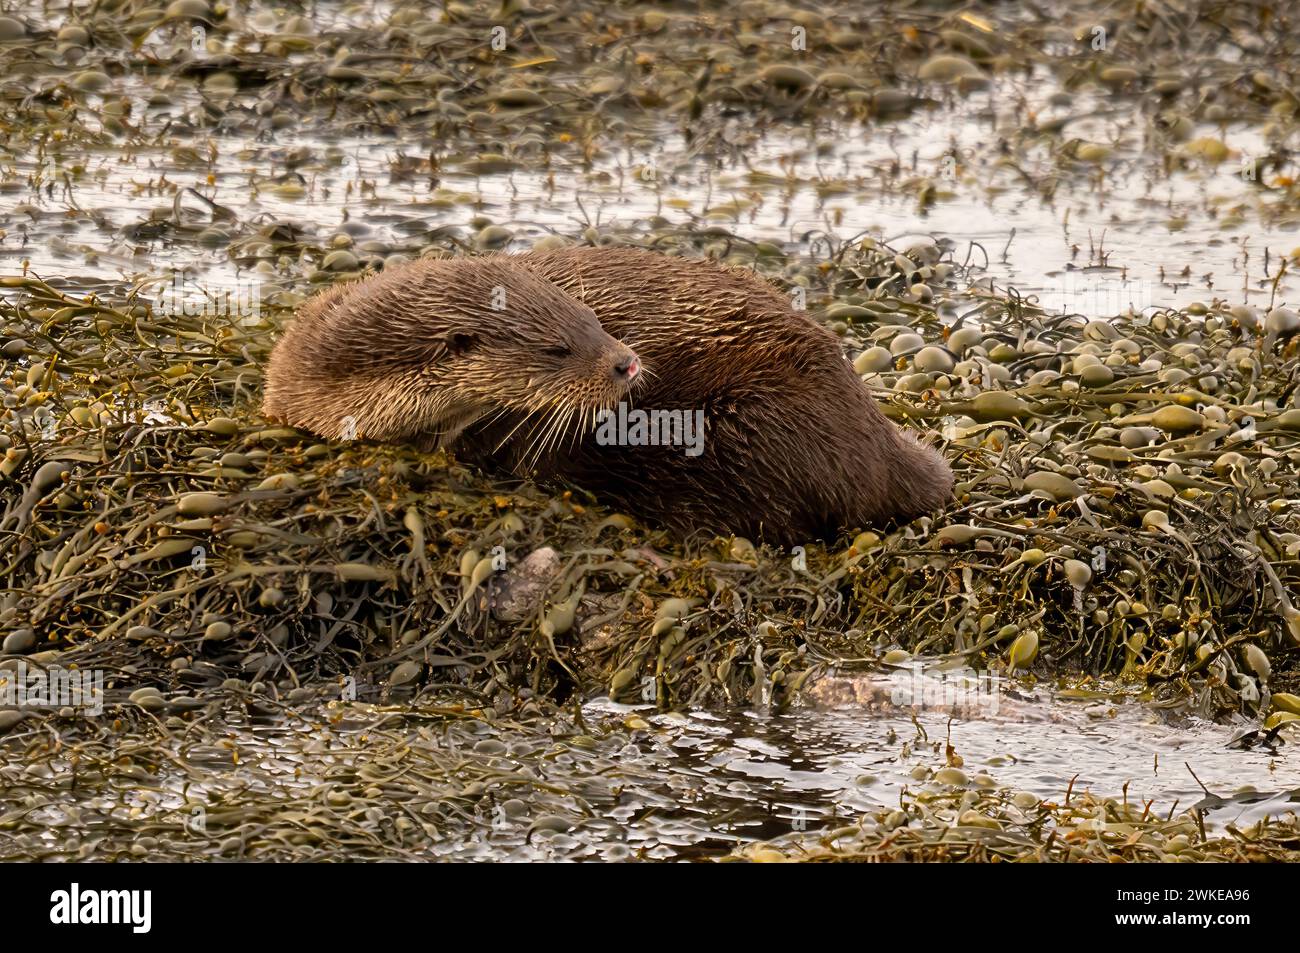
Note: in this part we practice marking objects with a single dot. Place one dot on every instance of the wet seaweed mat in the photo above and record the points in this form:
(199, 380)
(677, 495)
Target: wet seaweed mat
(1102, 521)
(416, 639)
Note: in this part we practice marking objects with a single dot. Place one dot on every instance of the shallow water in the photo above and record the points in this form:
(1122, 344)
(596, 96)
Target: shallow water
(698, 784)
(1130, 236)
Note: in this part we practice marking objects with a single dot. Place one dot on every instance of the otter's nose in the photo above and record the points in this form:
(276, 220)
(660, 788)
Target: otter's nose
(627, 368)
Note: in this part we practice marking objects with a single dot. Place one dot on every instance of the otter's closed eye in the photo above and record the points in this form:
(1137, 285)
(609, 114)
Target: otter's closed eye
(556, 350)
(459, 342)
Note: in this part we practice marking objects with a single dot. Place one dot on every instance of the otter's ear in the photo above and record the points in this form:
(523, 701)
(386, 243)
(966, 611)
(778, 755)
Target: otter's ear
(458, 342)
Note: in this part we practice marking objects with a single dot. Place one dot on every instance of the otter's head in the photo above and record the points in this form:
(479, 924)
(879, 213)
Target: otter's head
(537, 354)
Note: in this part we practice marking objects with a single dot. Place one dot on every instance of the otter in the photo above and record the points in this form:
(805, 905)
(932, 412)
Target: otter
(525, 361)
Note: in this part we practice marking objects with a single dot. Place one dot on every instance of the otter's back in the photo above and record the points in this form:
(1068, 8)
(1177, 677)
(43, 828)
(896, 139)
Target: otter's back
(795, 446)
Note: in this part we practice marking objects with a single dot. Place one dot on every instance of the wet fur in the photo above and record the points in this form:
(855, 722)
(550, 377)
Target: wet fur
(417, 353)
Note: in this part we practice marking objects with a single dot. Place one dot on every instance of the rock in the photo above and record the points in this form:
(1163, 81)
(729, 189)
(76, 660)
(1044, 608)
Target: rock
(19, 642)
(519, 592)
(11, 29)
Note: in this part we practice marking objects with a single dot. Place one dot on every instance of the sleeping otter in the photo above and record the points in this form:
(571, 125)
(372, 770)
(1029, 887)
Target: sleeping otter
(538, 362)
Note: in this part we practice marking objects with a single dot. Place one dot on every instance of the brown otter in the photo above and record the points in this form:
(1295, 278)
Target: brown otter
(793, 449)
(418, 353)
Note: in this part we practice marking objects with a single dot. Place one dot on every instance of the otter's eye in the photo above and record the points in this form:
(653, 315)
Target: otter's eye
(559, 350)
(458, 342)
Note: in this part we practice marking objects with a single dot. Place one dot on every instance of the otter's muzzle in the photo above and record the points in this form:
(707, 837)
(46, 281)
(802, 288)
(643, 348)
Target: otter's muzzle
(627, 368)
